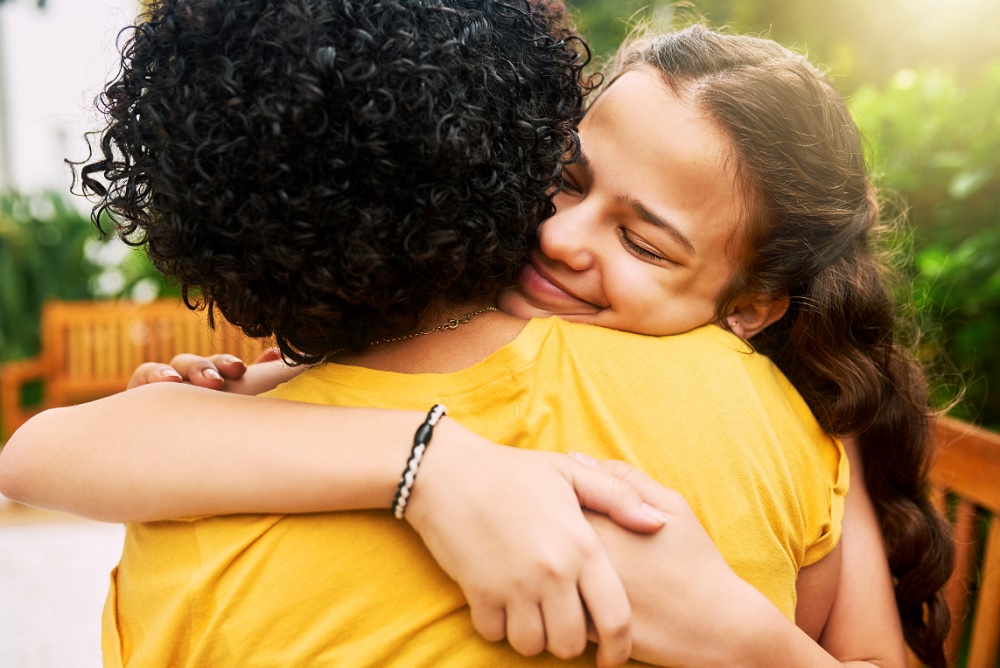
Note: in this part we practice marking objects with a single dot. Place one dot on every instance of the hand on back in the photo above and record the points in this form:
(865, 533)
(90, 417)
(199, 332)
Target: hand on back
(506, 524)
(688, 606)
(217, 372)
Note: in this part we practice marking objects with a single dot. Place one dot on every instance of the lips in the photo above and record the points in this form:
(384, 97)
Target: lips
(541, 289)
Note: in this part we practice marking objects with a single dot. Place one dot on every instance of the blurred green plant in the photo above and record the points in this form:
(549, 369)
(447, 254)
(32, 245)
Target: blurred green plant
(959, 287)
(862, 41)
(49, 250)
(936, 143)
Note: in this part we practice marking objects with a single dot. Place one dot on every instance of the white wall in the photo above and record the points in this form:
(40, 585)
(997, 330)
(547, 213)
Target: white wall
(55, 61)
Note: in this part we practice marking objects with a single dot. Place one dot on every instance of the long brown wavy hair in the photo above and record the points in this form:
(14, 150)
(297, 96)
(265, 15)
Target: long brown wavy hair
(811, 231)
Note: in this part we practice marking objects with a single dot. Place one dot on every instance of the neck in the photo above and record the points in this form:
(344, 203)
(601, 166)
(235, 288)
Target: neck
(442, 311)
(445, 350)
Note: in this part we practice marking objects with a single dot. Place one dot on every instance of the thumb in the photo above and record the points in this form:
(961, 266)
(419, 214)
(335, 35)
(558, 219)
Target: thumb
(613, 496)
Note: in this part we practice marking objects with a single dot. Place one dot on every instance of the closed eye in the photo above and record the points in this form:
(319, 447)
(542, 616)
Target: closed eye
(567, 185)
(641, 250)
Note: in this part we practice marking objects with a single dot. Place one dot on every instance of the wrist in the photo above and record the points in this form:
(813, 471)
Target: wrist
(446, 463)
(421, 441)
(424, 494)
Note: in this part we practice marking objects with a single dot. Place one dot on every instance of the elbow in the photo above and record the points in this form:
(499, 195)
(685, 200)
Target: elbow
(21, 457)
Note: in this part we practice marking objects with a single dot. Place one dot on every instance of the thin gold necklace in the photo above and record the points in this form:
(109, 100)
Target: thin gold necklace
(448, 324)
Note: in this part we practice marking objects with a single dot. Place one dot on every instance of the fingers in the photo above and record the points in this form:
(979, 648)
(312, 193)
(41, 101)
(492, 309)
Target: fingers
(229, 366)
(525, 627)
(208, 372)
(153, 372)
(560, 625)
(658, 501)
(565, 623)
(610, 612)
(489, 620)
(614, 495)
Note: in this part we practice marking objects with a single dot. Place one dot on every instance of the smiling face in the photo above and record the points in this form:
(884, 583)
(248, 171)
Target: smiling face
(645, 233)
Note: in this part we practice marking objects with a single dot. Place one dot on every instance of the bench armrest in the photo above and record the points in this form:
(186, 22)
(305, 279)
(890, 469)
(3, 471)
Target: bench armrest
(13, 377)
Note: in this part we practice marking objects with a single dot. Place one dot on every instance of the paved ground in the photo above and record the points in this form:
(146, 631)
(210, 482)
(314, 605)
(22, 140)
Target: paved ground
(53, 580)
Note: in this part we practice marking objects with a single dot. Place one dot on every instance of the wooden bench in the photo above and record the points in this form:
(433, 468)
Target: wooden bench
(89, 350)
(966, 476)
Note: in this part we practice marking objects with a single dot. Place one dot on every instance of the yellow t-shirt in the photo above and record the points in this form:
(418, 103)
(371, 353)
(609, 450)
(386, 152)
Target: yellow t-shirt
(698, 412)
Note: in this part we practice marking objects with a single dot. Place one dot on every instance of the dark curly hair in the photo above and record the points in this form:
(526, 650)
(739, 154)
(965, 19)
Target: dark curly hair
(320, 171)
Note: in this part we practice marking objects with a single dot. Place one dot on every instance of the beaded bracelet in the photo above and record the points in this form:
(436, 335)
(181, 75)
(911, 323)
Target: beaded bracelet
(420, 441)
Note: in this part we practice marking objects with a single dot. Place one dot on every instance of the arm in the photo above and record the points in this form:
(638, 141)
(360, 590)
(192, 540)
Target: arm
(689, 608)
(864, 608)
(218, 372)
(288, 457)
(126, 472)
(306, 483)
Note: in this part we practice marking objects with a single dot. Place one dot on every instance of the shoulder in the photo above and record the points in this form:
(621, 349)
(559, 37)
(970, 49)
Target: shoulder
(708, 339)
(307, 386)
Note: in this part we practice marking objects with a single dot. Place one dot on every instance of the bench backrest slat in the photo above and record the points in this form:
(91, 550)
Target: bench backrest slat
(89, 349)
(966, 476)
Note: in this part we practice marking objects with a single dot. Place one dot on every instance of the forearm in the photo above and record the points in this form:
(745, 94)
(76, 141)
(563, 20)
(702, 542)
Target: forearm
(762, 637)
(167, 451)
(690, 609)
(742, 629)
(864, 613)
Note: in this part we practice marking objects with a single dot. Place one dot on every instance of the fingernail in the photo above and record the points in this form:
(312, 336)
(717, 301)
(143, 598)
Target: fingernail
(583, 459)
(212, 373)
(654, 512)
(232, 359)
(169, 373)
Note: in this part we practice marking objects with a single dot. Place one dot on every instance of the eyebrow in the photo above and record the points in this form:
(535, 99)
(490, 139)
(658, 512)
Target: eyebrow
(642, 210)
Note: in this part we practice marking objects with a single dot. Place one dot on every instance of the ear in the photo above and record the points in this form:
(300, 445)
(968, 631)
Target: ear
(755, 313)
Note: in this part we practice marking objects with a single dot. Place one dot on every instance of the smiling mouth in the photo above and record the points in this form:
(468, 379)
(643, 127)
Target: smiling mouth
(538, 286)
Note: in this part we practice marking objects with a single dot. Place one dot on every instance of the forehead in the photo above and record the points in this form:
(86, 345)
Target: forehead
(648, 143)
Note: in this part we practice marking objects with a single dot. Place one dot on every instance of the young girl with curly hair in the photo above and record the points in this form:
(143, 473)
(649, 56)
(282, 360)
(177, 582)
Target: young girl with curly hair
(643, 239)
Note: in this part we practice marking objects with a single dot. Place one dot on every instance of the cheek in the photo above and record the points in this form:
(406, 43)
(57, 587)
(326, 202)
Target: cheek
(640, 296)
(663, 303)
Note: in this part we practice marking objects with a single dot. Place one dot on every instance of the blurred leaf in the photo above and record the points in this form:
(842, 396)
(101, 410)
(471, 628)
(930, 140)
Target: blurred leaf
(968, 182)
(948, 160)
(44, 255)
(931, 262)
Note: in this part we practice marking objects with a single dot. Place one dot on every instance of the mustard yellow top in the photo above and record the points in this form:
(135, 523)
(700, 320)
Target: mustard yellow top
(698, 412)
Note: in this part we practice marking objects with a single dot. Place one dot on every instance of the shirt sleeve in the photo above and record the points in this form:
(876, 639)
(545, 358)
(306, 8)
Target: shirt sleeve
(831, 525)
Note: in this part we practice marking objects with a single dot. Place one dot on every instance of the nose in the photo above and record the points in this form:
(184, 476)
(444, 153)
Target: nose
(567, 236)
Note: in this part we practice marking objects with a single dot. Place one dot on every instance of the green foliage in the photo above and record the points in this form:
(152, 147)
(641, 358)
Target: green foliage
(959, 288)
(860, 40)
(48, 250)
(605, 24)
(41, 256)
(936, 143)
